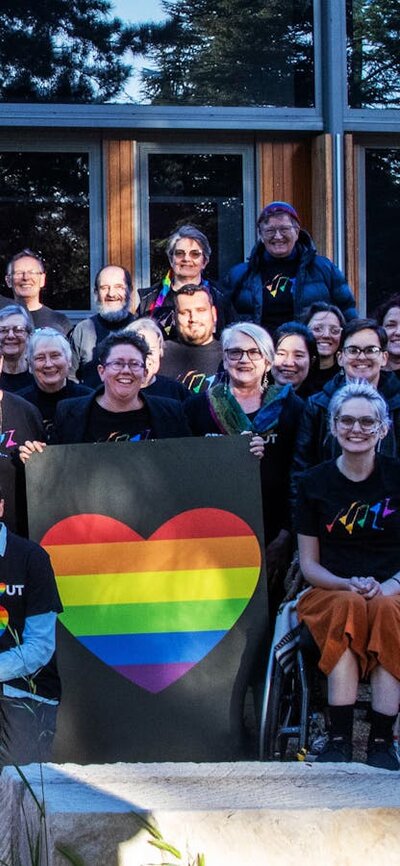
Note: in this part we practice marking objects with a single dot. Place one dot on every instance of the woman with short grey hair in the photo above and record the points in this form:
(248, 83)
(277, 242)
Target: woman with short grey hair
(247, 402)
(49, 356)
(188, 251)
(16, 326)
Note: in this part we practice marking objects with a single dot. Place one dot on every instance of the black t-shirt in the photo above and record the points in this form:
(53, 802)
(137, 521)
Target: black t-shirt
(106, 426)
(278, 276)
(30, 589)
(47, 401)
(195, 366)
(45, 317)
(19, 421)
(16, 382)
(357, 522)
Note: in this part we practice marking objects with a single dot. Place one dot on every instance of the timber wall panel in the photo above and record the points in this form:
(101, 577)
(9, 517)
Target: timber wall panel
(119, 191)
(119, 197)
(285, 174)
(322, 194)
(351, 199)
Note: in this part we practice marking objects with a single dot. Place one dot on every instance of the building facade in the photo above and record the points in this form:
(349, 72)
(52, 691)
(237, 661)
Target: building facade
(93, 184)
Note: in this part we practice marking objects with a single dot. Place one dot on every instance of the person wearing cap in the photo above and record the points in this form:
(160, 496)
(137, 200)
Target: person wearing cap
(284, 273)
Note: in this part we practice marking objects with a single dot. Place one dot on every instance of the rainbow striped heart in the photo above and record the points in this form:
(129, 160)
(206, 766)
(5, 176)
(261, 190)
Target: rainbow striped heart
(152, 609)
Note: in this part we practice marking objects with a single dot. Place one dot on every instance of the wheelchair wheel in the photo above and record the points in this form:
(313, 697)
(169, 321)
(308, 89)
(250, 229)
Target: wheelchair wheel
(287, 712)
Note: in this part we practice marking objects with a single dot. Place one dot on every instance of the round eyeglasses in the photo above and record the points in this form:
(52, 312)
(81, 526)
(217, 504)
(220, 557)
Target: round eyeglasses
(17, 330)
(333, 330)
(366, 423)
(193, 254)
(270, 233)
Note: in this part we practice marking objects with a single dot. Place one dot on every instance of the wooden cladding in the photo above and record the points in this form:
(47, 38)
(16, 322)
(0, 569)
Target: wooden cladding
(352, 227)
(119, 172)
(285, 175)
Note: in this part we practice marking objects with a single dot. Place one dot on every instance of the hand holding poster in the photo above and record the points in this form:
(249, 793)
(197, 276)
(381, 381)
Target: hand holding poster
(158, 556)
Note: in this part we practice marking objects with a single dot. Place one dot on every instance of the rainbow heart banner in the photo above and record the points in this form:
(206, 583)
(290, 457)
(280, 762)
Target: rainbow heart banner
(158, 552)
(153, 608)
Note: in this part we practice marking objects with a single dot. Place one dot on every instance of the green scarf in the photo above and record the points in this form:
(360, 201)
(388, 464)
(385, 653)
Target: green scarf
(229, 415)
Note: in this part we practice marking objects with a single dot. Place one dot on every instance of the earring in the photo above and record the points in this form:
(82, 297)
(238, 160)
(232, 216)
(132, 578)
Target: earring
(265, 381)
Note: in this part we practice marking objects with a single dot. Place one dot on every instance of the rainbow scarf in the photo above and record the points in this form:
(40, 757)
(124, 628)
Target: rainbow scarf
(229, 415)
(166, 286)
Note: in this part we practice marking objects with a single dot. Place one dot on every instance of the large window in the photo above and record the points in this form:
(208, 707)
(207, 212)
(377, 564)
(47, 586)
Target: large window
(208, 52)
(382, 193)
(203, 188)
(44, 205)
(373, 51)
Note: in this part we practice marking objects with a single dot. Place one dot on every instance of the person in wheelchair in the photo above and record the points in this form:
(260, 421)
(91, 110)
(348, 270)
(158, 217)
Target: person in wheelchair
(348, 524)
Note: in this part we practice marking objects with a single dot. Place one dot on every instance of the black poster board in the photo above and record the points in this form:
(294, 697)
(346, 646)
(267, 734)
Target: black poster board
(158, 552)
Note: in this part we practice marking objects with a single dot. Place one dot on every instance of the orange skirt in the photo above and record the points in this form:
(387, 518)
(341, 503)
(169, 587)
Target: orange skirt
(340, 620)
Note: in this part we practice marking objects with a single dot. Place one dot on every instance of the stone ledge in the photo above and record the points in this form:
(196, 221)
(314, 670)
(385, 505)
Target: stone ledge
(243, 814)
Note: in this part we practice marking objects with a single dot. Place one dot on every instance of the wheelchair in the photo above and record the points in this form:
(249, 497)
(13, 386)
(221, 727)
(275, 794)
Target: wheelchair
(294, 723)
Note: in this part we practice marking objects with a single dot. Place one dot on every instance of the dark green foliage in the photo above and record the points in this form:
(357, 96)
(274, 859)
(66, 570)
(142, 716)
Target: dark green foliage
(373, 53)
(227, 52)
(60, 51)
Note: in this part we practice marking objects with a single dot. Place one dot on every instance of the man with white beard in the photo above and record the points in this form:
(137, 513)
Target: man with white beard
(113, 293)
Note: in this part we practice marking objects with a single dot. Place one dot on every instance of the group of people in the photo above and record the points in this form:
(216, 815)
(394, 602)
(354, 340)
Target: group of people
(276, 351)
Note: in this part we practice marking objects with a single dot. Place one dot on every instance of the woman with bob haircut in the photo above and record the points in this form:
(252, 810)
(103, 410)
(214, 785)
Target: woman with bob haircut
(247, 402)
(348, 524)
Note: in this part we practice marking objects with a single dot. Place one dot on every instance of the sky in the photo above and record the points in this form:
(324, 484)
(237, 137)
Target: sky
(137, 11)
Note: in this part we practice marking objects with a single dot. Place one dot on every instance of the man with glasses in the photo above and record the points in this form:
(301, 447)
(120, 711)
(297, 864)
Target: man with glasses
(119, 411)
(362, 356)
(26, 277)
(196, 357)
(284, 273)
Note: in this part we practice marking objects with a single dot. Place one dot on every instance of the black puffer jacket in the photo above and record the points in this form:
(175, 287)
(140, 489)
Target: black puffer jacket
(317, 279)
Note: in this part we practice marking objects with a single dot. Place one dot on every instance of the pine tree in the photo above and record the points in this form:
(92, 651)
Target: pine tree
(61, 51)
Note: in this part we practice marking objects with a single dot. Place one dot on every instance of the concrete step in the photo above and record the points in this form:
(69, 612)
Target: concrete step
(242, 814)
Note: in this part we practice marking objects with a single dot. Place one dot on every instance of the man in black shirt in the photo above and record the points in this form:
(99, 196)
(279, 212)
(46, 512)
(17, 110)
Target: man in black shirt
(196, 357)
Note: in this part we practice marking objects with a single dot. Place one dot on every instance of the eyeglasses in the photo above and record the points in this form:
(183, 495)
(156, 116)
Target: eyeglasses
(333, 330)
(118, 366)
(368, 351)
(17, 330)
(237, 354)
(26, 273)
(193, 254)
(285, 231)
(367, 424)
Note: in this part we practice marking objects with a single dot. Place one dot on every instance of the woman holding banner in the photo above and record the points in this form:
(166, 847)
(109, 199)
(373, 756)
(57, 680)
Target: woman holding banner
(246, 402)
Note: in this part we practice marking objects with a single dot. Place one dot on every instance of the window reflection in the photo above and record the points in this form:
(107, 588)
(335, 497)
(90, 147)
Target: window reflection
(373, 53)
(44, 205)
(382, 177)
(204, 190)
(217, 53)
